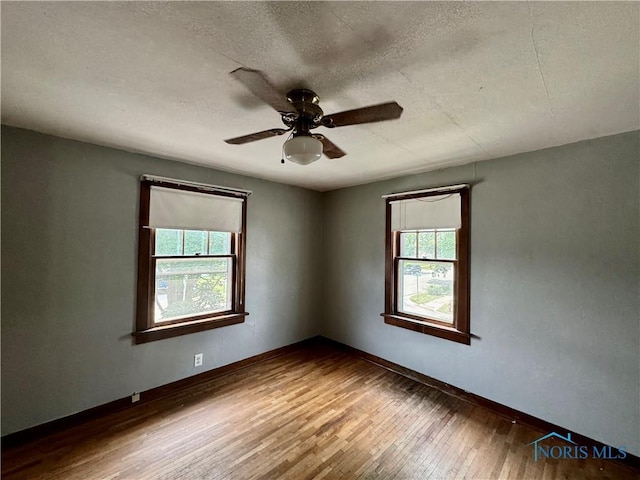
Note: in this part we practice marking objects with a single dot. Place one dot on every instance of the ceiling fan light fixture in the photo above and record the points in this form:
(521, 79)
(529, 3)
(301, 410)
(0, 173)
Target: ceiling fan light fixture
(303, 149)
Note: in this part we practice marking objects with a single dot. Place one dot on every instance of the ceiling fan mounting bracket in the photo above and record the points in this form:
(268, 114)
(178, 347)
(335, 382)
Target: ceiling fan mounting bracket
(303, 95)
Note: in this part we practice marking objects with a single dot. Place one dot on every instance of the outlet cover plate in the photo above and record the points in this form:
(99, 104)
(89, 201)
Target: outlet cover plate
(197, 360)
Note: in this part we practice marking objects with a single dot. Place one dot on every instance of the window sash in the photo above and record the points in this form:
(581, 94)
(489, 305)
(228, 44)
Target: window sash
(399, 289)
(222, 255)
(199, 316)
(180, 245)
(437, 232)
(426, 259)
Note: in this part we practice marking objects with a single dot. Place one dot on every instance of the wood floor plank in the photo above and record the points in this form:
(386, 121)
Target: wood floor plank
(316, 413)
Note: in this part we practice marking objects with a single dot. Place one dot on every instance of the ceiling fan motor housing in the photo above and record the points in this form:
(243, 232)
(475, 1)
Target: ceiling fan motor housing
(309, 115)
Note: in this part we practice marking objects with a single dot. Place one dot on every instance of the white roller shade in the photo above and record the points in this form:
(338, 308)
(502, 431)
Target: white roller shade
(182, 209)
(438, 211)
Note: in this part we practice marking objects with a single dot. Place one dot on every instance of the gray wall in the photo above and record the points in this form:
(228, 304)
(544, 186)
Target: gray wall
(555, 249)
(69, 249)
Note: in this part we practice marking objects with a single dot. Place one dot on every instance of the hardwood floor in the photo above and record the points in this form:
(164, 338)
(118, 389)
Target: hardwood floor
(315, 413)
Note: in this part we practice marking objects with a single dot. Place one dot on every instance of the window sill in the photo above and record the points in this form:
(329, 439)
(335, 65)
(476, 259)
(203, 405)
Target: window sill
(177, 329)
(437, 330)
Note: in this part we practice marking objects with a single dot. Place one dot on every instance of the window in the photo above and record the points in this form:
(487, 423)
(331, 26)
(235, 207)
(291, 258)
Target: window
(427, 262)
(191, 258)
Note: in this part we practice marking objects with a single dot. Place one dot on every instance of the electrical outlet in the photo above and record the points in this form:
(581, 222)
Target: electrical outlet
(197, 360)
(135, 398)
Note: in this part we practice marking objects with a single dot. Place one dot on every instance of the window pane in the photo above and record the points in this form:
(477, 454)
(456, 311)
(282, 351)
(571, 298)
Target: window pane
(192, 286)
(168, 242)
(408, 244)
(219, 243)
(427, 244)
(446, 244)
(426, 289)
(195, 242)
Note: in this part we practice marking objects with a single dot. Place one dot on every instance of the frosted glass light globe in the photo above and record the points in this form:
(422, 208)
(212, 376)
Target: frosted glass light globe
(303, 149)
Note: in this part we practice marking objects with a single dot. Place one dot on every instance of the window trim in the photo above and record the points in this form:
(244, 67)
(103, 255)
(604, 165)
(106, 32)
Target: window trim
(460, 330)
(146, 329)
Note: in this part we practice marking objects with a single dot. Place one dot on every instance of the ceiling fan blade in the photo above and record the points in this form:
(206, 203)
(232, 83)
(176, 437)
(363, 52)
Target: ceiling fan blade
(260, 86)
(274, 132)
(329, 148)
(375, 113)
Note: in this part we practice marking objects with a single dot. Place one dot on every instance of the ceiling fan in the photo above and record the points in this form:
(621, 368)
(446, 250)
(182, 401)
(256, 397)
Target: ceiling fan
(301, 113)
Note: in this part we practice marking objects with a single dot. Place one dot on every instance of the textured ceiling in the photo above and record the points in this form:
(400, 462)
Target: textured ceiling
(476, 80)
